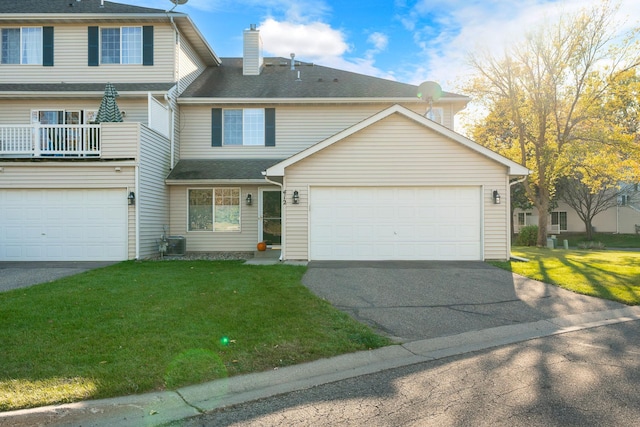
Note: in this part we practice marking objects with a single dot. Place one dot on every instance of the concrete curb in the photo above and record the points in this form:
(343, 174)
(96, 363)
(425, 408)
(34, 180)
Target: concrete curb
(154, 409)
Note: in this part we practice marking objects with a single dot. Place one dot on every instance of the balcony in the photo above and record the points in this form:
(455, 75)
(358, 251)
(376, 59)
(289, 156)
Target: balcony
(17, 141)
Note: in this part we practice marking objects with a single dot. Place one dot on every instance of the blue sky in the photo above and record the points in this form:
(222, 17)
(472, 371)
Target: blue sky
(405, 40)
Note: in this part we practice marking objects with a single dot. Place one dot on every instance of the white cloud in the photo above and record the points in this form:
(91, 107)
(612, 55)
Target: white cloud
(319, 43)
(446, 31)
(378, 40)
(312, 41)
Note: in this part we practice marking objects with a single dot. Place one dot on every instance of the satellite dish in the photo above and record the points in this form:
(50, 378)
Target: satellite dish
(429, 91)
(176, 3)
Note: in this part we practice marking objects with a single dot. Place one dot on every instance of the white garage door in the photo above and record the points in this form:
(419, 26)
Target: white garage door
(380, 223)
(63, 225)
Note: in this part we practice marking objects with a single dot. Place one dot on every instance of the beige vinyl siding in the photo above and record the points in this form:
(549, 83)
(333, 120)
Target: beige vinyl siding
(120, 140)
(396, 152)
(617, 219)
(152, 194)
(297, 128)
(189, 65)
(70, 60)
(207, 241)
(74, 176)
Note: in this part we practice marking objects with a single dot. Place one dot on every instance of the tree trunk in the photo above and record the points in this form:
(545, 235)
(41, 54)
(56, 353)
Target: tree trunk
(543, 218)
(589, 228)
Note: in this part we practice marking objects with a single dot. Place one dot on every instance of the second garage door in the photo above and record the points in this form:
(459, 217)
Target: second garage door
(63, 225)
(395, 223)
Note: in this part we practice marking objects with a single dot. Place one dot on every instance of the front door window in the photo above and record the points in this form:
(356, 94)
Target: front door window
(271, 217)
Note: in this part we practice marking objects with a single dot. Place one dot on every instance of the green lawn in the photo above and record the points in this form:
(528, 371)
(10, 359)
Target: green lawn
(136, 327)
(610, 240)
(614, 275)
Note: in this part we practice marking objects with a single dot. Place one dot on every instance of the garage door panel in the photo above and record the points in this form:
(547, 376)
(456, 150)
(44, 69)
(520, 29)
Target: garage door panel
(63, 225)
(379, 223)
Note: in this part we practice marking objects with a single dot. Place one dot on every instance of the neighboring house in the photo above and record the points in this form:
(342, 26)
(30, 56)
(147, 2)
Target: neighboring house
(622, 218)
(65, 183)
(322, 164)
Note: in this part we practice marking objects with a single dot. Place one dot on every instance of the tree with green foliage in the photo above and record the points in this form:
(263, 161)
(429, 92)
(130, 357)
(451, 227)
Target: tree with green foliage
(547, 100)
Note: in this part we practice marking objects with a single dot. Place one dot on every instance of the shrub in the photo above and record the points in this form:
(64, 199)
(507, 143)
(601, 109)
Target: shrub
(528, 236)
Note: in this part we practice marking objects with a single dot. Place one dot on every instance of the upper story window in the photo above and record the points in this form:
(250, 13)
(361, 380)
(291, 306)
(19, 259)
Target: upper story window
(243, 127)
(121, 45)
(22, 45)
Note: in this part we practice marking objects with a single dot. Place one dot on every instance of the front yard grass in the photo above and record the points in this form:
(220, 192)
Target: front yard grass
(136, 327)
(610, 240)
(614, 275)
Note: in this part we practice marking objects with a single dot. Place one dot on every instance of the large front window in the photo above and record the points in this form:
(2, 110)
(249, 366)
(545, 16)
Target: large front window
(21, 45)
(121, 45)
(243, 126)
(216, 209)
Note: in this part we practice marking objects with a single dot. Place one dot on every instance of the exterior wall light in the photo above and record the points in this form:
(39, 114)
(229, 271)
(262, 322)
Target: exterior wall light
(496, 197)
(131, 198)
(296, 197)
(248, 200)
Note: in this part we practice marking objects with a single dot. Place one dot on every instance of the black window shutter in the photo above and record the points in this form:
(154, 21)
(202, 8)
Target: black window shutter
(147, 45)
(47, 46)
(269, 127)
(94, 47)
(216, 127)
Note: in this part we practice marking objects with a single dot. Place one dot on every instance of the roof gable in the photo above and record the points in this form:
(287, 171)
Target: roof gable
(513, 167)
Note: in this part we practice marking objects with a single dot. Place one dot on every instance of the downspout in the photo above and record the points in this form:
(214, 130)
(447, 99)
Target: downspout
(284, 207)
(137, 207)
(171, 132)
(176, 71)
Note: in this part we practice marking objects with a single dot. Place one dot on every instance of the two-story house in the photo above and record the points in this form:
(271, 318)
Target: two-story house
(320, 163)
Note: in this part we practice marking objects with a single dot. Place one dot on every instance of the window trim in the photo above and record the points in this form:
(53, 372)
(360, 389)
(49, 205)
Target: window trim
(44, 48)
(121, 45)
(213, 211)
(246, 112)
(217, 128)
(94, 44)
(558, 220)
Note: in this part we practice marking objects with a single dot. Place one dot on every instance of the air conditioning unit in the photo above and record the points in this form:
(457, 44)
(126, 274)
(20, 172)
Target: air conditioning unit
(177, 245)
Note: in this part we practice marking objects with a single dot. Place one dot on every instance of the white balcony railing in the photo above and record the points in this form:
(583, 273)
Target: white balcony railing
(50, 140)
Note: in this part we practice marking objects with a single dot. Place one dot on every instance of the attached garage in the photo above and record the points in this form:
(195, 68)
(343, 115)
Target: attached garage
(396, 186)
(395, 223)
(63, 224)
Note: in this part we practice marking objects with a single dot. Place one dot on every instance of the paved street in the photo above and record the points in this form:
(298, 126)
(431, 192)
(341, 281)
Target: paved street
(585, 378)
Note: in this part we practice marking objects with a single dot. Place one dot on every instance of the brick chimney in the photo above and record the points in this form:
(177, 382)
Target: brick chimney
(252, 52)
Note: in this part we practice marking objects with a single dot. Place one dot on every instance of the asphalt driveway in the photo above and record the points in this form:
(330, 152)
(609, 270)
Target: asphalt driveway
(14, 275)
(411, 301)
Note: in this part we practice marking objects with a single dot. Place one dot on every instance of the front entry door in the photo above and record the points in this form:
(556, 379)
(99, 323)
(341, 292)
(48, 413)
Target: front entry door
(271, 217)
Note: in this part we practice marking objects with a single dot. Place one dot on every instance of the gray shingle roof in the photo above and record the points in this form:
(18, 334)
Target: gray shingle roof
(221, 169)
(71, 6)
(84, 87)
(277, 80)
